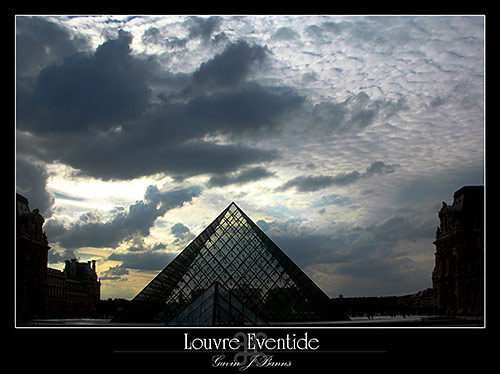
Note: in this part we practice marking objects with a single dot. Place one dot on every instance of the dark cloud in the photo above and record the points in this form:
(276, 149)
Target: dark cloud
(182, 234)
(153, 35)
(309, 248)
(353, 114)
(379, 168)
(334, 27)
(245, 176)
(40, 42)
(173, 198)
(137, 244)
(208, 157)
(334, 199)
(314, 183)
(376, 253)
(68, 254)
(97, 113)
(343, 179)
(251, 111)
(203, 27)
(314, 31)
(198, 27)
(263, 225)
(114, 273)
(121, 156)
(433, 187)
(31, 182)
(380, 254)
(179, 229)
(437, 101)
(284, 33)
(144, 260)
(88, 93)
(135, 222)
(230, 68)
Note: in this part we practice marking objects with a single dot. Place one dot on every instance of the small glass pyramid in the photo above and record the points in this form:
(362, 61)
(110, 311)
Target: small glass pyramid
(216, 307)
(236, 254)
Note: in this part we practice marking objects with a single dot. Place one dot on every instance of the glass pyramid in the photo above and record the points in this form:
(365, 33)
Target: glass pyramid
(216, 307)
(234, 252)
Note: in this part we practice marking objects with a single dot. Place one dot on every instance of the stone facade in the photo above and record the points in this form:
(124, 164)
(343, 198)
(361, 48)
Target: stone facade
(41, 291)
(31, 261)
(73, 292)
(458, 276)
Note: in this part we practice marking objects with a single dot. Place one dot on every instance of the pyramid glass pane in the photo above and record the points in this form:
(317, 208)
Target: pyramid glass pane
(235, 253)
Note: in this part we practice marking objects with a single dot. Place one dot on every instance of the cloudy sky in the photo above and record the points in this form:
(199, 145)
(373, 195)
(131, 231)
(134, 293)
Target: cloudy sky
(339, 136)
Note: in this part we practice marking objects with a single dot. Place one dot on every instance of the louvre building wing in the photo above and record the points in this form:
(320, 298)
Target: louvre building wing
(231, 256)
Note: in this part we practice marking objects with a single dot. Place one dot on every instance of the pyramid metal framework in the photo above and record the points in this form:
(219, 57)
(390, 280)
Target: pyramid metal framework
(235, 253)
